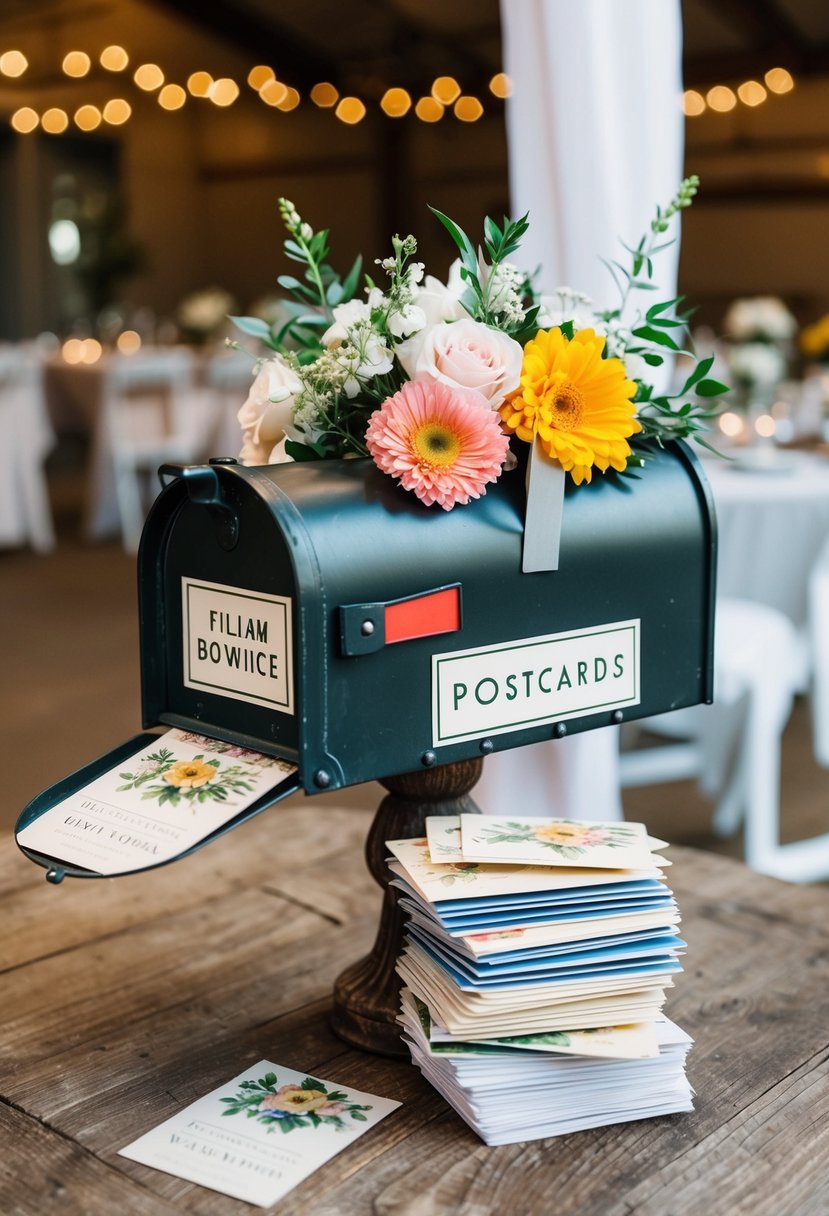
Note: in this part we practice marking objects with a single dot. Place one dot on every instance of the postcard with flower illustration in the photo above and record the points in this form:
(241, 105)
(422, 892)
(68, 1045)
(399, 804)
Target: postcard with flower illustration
(259, 1135)
(154, 805)
(443, 832)
(558, 842)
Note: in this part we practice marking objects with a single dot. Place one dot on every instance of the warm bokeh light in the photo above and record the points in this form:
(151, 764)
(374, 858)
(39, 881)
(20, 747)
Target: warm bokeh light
(468, 109)
(693, 103)
(54, 121)
(274, 92)
(721, 98)
(114, 58)
(91, 350)
(198, 84)
(765, 426)
(324, 95)
(350, 110)
(87, 118)
(779, 80)
(290, 101)
(24, 120)
(500, 85)
(148, 77)
(429, 109)
(13, 63)
(117, 111)
(172, 97)
(72, 350)
(731, 424)
(128, 342)
(396, 103)
(76, 63)
(751, 93)
(445, 90)
(823, 164)
(260, 75)
(223, 92)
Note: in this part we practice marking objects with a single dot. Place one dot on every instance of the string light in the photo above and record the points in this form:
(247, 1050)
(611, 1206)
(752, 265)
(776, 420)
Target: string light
(149, 77)
(24, 120)
(779, 80)
(87, 118)
(172, 97)
(76, 63)
(324, 95)
(13, 63)
(117, 111)
(395, 103)
(54, 121)
(468, 109)
(260, 75)
(500, 85)
(444, 90)
(273, 92)
(721, 98)
(350, 110)
(429, 109)
(751, 93)
(223, 92)
(114, 58)
(693, 103)
(128, 342)
(290, 101)
(198, 84)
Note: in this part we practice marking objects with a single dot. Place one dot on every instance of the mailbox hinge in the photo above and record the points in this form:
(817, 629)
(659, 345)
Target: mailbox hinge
(203, 487)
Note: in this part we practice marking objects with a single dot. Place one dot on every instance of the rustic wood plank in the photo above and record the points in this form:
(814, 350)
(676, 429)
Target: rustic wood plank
(44, 1173)
(49, 920)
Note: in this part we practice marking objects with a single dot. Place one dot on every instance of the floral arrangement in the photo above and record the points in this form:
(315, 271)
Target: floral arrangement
(759, 319)
(163, 778)
(432, 379)
(288, 1107)
(202, 313)
(814, 340)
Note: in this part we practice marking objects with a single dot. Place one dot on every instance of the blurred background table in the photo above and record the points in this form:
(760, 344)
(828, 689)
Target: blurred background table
(126, 1000)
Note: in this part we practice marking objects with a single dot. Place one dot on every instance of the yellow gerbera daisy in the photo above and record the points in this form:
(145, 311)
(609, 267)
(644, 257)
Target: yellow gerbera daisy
(578, 403)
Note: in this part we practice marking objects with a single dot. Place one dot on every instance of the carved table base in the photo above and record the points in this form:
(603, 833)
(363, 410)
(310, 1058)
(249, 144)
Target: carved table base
(367, 994)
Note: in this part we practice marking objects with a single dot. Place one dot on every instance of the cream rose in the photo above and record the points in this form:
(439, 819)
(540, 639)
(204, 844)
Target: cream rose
(465, 354)
(267, 415)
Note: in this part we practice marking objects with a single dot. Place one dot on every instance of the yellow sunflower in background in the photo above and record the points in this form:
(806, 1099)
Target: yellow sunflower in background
(578, 403)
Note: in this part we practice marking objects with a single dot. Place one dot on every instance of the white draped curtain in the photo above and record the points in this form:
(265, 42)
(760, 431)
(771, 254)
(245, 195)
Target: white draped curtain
(595, 129)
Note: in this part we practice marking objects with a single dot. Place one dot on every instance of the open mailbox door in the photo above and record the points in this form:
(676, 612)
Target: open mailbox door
(153, 799)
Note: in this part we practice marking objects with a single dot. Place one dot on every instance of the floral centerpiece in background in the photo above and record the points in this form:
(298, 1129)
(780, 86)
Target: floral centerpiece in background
(814, 341)
(431, 379)
(202, 314)
(760, 330)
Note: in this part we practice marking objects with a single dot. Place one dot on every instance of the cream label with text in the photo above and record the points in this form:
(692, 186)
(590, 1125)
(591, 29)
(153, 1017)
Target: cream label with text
(495, 690)
(238, 643)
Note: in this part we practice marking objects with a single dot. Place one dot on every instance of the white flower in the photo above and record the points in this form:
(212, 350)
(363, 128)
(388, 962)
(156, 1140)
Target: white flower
(466, 354)
(267, 415)
(757, 364)
(346, 316)
(567, 305)
(759, 317)
(407, 321)
(441, 302)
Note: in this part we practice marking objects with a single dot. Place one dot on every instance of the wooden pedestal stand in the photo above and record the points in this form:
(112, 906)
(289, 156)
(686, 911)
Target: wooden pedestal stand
(367, 994)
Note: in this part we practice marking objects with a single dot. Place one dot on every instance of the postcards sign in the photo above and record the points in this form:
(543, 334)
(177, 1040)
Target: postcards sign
(493, 690)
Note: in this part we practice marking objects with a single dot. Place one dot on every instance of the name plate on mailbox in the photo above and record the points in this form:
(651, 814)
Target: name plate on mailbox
(493, 690)
(238, 644)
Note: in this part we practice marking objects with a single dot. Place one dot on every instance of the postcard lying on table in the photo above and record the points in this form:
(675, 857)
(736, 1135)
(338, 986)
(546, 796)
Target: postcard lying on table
(225, 1140)
(155, 805)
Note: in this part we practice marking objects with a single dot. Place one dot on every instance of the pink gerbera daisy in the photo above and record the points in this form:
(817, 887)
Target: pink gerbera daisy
(445, 444)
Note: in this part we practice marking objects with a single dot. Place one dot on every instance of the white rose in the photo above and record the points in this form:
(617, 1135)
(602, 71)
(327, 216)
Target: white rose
(466, 354)
(267, 415)
(409, 320)
(440, 302)
(346, 316)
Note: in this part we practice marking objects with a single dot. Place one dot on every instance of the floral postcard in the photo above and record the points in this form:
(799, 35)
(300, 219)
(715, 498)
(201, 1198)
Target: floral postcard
(259, 1135)
(472, 879)
(155, 805)
(558, 842)
(443, 833)
(635, 1042)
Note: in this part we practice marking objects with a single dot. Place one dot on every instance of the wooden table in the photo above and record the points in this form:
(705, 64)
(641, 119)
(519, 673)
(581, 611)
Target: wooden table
(124, 1001)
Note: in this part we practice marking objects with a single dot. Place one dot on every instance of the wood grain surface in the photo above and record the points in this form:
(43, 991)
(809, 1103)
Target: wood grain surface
(122, 1001)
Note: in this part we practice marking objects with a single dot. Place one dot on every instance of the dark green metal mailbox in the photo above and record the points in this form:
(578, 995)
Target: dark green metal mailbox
(318, 612)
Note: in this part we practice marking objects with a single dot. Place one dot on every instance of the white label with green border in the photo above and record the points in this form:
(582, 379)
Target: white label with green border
(238, 644)
(494, 690)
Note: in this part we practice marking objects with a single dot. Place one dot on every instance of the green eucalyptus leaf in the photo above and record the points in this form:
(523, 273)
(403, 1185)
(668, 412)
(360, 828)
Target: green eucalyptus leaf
(253, 326)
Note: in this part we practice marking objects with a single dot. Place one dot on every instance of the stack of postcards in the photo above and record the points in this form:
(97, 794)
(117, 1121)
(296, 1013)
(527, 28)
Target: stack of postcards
(536, 961)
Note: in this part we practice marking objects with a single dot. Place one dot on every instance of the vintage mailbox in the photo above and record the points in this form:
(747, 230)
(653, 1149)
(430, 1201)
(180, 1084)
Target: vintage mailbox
(318, 613)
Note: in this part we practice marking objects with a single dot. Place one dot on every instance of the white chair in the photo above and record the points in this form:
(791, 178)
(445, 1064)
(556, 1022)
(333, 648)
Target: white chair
(152, 412)
(230, 376)
(818, 630)
(26, 439)
(733, 746)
